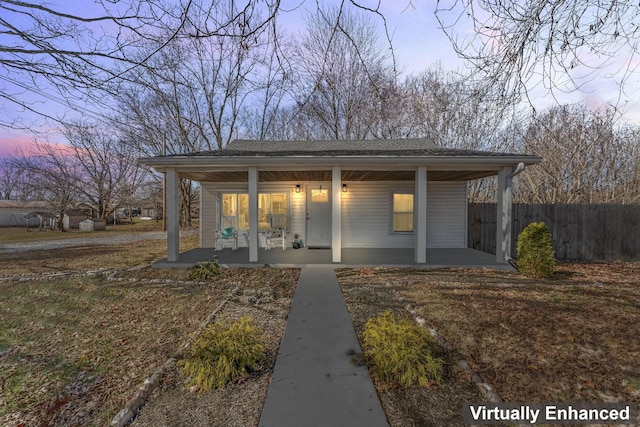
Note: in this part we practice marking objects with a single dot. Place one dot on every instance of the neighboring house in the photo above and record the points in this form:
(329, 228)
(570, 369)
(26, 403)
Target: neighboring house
(15, 213)
(12, 212)
(405, 193)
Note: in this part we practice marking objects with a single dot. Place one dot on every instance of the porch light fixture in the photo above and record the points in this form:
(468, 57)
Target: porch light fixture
(297, 188)
(344, 188)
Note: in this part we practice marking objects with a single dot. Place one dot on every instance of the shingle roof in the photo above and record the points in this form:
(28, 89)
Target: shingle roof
(18, 204)
(330, 145)
(380, 147)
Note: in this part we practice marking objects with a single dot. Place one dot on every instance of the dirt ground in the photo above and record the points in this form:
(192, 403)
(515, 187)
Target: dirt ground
(572, 338)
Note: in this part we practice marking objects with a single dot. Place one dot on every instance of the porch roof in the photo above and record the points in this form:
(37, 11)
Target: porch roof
(361, 160)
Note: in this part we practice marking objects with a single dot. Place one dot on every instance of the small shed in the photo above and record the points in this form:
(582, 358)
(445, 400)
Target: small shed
(93, 225)
(72, 219)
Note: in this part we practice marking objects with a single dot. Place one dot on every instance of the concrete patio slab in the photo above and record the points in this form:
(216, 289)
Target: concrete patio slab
(351, 258)
(314, 382)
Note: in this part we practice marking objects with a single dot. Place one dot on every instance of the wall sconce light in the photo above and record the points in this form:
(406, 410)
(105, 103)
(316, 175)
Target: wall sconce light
(344, 188)
(297, 188)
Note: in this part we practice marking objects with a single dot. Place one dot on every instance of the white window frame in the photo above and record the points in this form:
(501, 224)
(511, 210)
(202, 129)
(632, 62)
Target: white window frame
(393, 192)
(235, 218)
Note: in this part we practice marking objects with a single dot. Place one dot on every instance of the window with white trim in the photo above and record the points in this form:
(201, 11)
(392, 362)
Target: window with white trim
(273, 211)
(402, 212)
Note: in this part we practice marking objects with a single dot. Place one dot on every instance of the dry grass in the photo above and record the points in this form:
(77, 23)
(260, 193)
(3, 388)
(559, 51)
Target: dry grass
(566, 339)
(238, 404)
(22, 234)
(367, 295)
(89, 257)
(74, 345)
(570, 338)
(74, 348)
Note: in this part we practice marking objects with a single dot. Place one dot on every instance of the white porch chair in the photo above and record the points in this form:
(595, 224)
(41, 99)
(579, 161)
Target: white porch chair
(277, 233)
(227, 235)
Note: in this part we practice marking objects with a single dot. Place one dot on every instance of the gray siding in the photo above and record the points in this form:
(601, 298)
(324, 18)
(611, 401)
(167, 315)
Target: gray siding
(447, 214)
(366, 214)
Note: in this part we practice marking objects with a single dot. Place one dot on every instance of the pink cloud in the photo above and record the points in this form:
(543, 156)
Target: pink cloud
(24, 145)
(12, 144)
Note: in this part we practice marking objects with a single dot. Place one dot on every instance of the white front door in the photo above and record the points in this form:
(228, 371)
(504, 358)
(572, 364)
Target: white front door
(318, 216)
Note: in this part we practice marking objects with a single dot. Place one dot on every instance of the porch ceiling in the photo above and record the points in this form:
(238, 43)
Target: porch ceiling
(325, 175)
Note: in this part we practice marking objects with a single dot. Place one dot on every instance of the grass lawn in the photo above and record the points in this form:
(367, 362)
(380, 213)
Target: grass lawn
(75, 346)
(89, 257)
(573, 338)
(22, 234)
(89, 342)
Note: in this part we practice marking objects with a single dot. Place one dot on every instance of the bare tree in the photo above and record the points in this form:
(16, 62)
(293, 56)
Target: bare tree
(561, 44)
(199, 85)
(625, 167)
(586, 159)
(194, 96)
(9, 180)
(51, 171)
(96, 169)
(107, 167)
(451, 112)
(52, 52)
(342, 71)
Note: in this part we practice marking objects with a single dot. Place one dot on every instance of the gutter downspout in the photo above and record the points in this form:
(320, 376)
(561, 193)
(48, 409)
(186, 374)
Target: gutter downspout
(518, 170)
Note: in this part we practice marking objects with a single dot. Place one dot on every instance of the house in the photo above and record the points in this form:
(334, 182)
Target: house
(13, 212)
(405, 193)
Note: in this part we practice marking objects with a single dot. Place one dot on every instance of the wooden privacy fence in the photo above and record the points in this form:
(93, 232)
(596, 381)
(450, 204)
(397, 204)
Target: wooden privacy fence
(579, 232)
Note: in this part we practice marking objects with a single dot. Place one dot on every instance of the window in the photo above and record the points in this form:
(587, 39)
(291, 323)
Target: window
(235, 211)
(319, 195)
(402, 218)
(273, 210)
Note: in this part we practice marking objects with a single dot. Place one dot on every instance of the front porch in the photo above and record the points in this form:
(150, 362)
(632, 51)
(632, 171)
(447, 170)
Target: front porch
(351, 258)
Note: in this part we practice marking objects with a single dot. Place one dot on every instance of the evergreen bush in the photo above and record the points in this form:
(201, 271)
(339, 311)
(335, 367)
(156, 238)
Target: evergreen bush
(204, 270)
(400, 352)
(536, 257)
(222, 353)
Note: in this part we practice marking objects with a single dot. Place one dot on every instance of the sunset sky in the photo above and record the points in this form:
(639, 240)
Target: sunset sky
(418, 43)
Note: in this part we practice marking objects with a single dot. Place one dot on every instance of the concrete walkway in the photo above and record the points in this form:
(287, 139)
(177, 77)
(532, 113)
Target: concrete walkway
(314, 382)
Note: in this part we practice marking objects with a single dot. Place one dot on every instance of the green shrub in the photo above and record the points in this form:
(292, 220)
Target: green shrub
(400, 352)
(204, 270)
(536, 257)
(222, 353)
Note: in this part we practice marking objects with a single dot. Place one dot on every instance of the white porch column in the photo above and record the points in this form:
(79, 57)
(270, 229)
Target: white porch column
(208, 216)
(420, 216)
(173, 223)
(503, 215)
(253, 214)
(336, 214)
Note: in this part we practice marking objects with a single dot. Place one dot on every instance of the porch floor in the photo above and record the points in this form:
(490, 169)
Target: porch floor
(351, 257)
